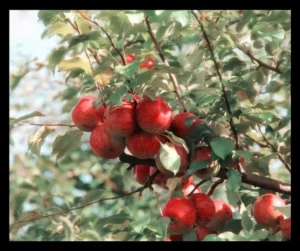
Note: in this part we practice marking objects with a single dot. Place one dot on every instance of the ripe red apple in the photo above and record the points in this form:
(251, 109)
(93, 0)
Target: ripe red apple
(85, 116)
(204, 206)
(178, 125)
(187, 189)
(160, 179)
(153, 116)
(120, 120)
(182, 215)
(130, 58)
(202, 232)
(285, 227)
(143, 145)
(105, 145)
(202, 153)
(175, 237)
(148, 63)
(264, 212)
(184, 162)
(222, 215)
(141, 173)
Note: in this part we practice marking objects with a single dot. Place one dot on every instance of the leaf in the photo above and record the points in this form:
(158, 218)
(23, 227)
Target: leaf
(247, 223)
(232, 225)
(84, 25)
(74, 64)
(161, 68)
(140, 224)
(234, 180)
(194, 60)
(246, 154)
(191, 235)
(119, 218)
(135, 18)
(137, 28)
(182, 16)
(172, 183)
(218, 129)
(197, 165)
(201, 131)
(286, 210)
(92, 196)
(64, 143)
(212, 237)
(93, 36)
(38, 138)
(31, 115)
(177, 141)
(117, 96)
(232, 197)
(128, 70)
(57, 56)
(60, 28)
(48, 16)
(161, 32)
(169, 158)
(271, 48)
(208, 99)
(119, 23)
(222, 146)
(229, 40)
(24, 219)
(159, 226)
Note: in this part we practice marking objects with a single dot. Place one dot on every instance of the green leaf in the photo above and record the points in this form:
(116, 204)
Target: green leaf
(247, 223)
(212, 237)
(137, 28)
(232, 197)
(24, 219)
(135, 18)
(194, 60)
(48, 16)
(36, 140)
(92, 36)
(160, 226)
(229, 40)
(92, 196)
(28, 116)
(161, 68)
(234, 180)
(222, 146)
(201, 131)
(177, 141)
(219, 129)
(128, 70)
(271, 48)
(60, 28)
(119, 23)
(286, 210)
(74, 64)
(207, 99)
(246, 154)
(57, 56)
(233, 225)
(140, 224)
(182, 16)
(197, 165)
(84, 25)
(117, 96)
(169, 158)
(119, 218)
(142, 78)
(64, 143)
(191, 235)
(161, 32)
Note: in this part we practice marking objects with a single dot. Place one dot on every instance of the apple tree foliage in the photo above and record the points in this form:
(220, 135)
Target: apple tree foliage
(251, 50)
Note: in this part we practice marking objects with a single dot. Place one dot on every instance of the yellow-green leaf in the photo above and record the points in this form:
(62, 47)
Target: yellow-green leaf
(37, 139)
(60, 28)
(74, 64)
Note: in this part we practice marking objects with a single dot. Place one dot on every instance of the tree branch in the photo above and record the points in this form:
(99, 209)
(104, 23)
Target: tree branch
(260, 63)
(108, 36)
(59, 124)
(214, 186)
(251, 179)
(287, 166)
(171, 75)
(198, 184)
(233, 129)
(257, 142)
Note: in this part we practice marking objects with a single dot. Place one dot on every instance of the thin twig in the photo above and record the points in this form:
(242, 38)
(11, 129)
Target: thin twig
(171, 75)
(260, 63)
(157, 203)
(257, 142)
(233, 129)
(287, 166)
(198, 184)
(214, 186)
(108, 36)
(59, 124)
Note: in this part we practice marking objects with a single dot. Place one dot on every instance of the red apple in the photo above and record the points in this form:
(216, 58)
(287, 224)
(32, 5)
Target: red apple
(143, 145)
(153, 116)
(184, 162)
(130, 58)
(85, 116)
(105, 145)
(234, 165)
(285, 227)
(160, 179)
(202, 232)
(120, 120)
(148, 63)
(178, 125)
(202, 153)
(187, 189)
(264, 212)
(182, 215)
(175, 237)
(222, 215)
(141, 173)
(204, 206)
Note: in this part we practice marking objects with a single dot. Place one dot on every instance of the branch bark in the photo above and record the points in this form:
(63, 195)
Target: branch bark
(231, 123)
(251, 179)
(260, 63)
(171, 75)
